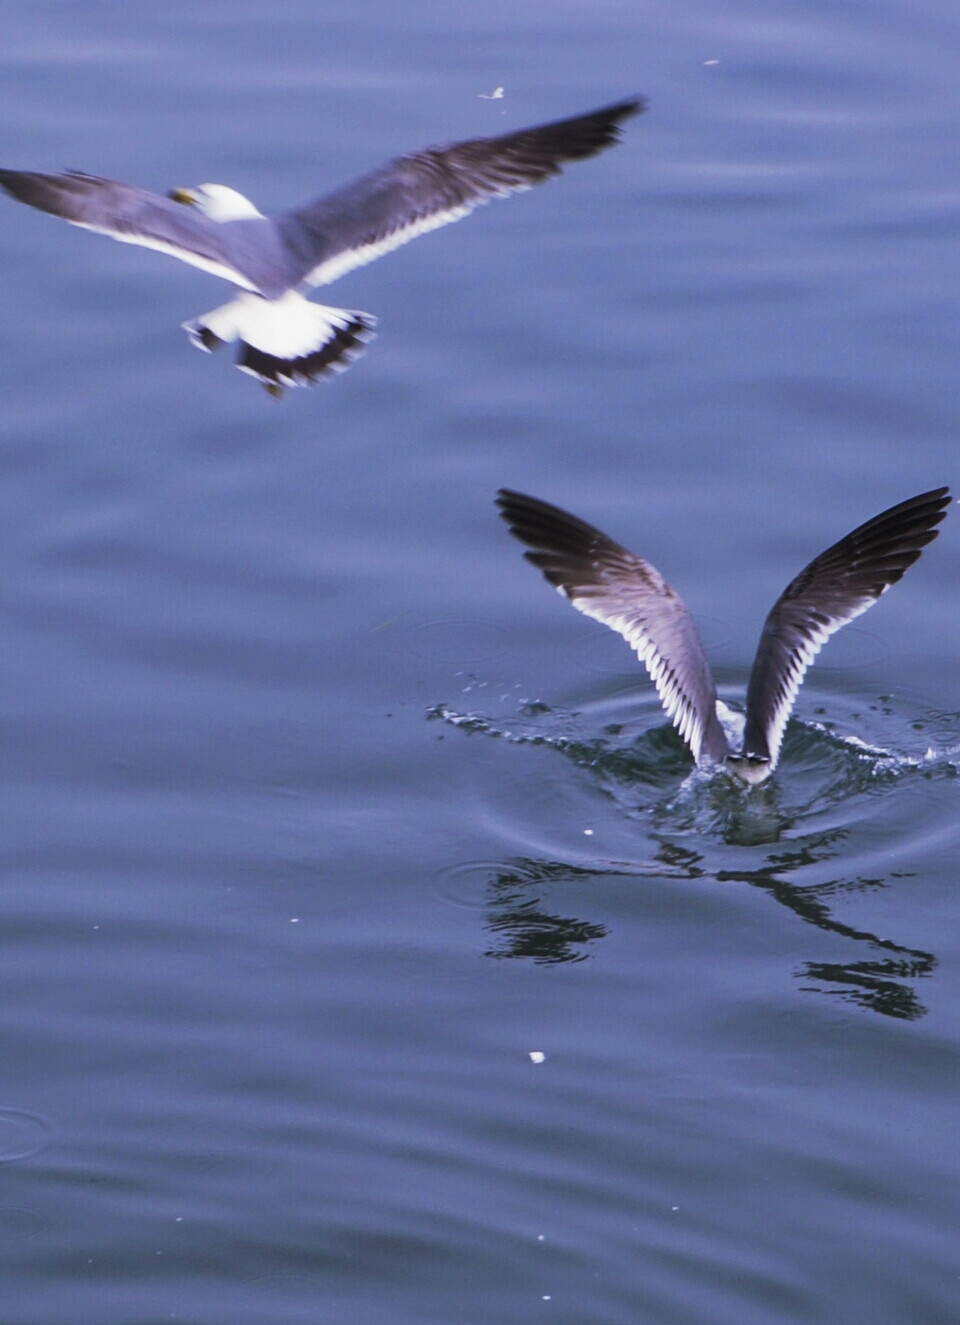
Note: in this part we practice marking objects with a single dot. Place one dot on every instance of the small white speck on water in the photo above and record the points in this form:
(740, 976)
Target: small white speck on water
(709, 62)
(537, 1056)
(294, 920)
(546, 1298)
(540, 1237)
(588, 832)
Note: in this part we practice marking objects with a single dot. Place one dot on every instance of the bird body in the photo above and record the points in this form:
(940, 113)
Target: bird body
(614, 586)
(285, 340)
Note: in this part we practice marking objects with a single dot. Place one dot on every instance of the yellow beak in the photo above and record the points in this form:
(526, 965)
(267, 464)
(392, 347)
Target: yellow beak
(182, 195)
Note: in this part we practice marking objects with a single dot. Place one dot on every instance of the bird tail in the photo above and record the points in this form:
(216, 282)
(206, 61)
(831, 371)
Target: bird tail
(287, 341)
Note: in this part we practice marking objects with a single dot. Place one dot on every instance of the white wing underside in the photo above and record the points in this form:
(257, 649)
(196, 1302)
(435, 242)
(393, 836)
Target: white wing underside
(326, 272)
(333, 268)
(800, 660)
(172, 250)
(679, 707)
(607, 582)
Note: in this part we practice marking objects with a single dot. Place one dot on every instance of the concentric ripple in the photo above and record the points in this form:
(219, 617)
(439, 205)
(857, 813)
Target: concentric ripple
(608, 789)
(22, 1134)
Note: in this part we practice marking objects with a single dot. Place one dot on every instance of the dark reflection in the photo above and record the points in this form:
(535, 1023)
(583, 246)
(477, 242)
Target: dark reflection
(524, 929)
(646, 772)
(871, 984)
(875, 984)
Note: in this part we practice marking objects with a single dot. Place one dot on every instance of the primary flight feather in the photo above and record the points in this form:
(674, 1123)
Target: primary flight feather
(613, 585)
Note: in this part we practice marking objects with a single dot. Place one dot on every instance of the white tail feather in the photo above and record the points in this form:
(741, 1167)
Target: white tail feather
(287, 341)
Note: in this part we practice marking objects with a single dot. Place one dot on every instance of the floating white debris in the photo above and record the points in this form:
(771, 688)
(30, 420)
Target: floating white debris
(536, 1056)
(495, 95)
(711, 62)
(588, 832)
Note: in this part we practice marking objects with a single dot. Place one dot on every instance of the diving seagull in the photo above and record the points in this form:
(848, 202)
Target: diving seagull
(613, 585)
(285, 340)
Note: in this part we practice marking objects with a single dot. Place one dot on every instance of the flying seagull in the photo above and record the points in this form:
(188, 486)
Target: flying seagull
(285, 340)
(607, 582)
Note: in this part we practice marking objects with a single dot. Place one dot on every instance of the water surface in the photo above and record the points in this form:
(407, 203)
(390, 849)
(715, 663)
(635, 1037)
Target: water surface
(321, 815)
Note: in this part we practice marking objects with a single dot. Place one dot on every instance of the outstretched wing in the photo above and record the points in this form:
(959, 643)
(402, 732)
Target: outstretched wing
(424, 190)
(610, 584)
(837, 586)
(130, 214)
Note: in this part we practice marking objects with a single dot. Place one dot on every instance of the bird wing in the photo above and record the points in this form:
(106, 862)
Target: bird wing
(424, 190)
(607, 582)
(835, 588)
(130, 214)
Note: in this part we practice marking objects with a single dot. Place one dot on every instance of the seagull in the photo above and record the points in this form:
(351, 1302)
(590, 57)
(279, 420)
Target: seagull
(613, 585)
(285, 340)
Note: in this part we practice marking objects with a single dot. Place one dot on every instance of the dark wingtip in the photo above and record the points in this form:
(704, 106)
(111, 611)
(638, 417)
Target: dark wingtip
(909, 526)
(936, 498)
(540, 150)
(525, 514)
(625, 110)
(560, 545)
(515, 511)
(613, 115)
(59, 195)
(16, 183)
(507, 497)
(600, 128)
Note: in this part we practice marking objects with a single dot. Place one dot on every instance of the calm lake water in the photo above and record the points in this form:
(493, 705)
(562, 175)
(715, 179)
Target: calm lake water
(322, 819)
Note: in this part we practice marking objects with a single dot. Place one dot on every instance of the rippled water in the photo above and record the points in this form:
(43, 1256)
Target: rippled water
(368, 949)
(811, 821)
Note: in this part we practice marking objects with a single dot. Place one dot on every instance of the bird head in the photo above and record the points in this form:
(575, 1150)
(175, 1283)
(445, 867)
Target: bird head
(216, 201)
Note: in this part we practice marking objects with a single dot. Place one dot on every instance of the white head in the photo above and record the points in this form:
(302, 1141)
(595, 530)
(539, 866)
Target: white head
(217, 202)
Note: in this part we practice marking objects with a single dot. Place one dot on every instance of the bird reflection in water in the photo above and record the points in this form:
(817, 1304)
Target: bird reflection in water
(525, 925)
(522, 925)
(710, 827)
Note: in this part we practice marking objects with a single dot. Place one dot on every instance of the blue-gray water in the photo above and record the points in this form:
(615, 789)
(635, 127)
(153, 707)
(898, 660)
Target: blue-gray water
(320, 814)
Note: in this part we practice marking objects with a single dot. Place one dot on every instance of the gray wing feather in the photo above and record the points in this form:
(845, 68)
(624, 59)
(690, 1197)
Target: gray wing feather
(607, 582)
(130, 214)
(427, 189)
(834, 589)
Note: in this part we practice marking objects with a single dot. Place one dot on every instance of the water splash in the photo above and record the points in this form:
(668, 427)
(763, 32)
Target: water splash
(798, 837)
